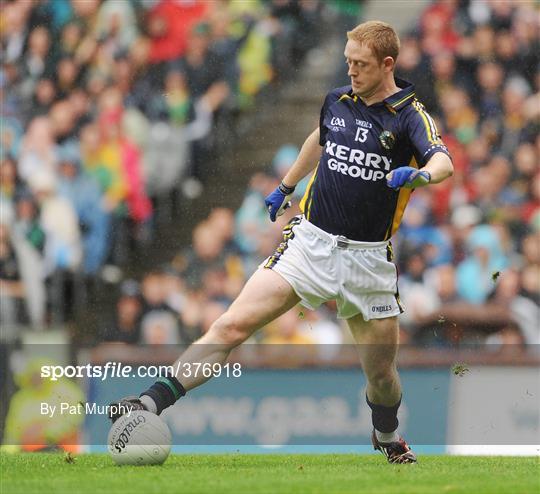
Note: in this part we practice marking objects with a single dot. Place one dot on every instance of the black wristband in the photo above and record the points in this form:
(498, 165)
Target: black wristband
(286, 189)
(428, 174)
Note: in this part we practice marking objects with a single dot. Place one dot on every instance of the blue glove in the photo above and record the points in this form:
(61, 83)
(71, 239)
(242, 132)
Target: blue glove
(279, 200)
(407, 177)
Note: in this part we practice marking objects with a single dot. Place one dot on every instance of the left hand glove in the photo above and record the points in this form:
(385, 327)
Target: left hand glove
(407, 177)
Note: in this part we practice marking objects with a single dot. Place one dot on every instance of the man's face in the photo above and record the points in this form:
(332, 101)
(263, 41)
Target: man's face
(365, 71)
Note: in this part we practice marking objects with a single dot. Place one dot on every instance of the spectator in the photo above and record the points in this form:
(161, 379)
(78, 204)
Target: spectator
(475, 275)
(60, 223)
(38, 60)
(38, 151)
(206, 252)
(510, 125)
(530, 211)
(71, 36)
(44, 96)
(226, 46)
(26, 222)
(63, 249)
(29, 430)
(85, 197)
(251, 217)
(10, 136)
(115, 25)
(506, 295)
(460, 116)
(67, 77)
(15, 16)
(127, 198)
(203, 68)
(126, 325)
(221, 220)
(159, 322)
(526, 305)
(418, 297)
(11, 285)
(490, 76)
(325, 332)
(286, 331)
(206, 78)
(21, 281)
(168, 24)
(418, 233)
(9, 187)
(175, 105)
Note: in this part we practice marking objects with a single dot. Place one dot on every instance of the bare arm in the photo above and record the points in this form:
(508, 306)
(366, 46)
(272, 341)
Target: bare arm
(307, 160)
(439, 167)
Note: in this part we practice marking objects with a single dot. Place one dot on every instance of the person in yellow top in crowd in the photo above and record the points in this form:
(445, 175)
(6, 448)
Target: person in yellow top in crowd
(286, 330)
(27, 427)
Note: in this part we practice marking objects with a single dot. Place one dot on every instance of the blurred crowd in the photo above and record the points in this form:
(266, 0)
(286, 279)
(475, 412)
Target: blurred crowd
(108, 106)
(468, 250)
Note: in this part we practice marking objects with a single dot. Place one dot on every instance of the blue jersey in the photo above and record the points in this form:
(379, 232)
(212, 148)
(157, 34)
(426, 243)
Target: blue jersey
(347, 194)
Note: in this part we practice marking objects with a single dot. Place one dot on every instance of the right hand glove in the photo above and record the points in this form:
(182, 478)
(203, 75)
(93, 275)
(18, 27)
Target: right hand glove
(408, 177)
(279, 200)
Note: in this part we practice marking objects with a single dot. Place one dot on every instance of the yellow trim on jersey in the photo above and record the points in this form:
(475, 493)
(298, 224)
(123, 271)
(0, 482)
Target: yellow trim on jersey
(306, 196)
(403, 199)
(344, 96)
(431, 130)
(308, 215)
(402, 100)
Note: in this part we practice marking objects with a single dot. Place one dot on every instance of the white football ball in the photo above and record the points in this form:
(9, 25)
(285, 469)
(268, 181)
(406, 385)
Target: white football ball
(142, 438)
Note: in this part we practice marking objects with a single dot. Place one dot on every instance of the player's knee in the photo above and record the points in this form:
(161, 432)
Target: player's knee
(383, 379)
(229, 330)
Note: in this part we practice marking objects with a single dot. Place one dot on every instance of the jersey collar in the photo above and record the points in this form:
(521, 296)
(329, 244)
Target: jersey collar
(403, 97)
(395, 102)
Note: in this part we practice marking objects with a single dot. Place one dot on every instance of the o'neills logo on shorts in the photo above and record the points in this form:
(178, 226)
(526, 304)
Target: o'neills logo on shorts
(381, 308)
(356, 163)
(124, 436)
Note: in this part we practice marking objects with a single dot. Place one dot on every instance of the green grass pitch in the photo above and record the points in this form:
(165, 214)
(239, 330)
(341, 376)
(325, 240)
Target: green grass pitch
(272, 474)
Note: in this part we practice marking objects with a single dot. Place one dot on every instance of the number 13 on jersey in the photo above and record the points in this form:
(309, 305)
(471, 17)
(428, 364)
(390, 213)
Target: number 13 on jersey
(361, 134)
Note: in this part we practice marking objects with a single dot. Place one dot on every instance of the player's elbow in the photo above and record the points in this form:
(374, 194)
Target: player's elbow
(445, 166)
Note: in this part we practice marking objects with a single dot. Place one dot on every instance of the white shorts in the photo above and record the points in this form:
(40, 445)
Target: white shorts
(360, 276)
